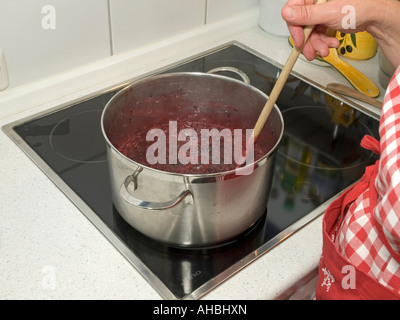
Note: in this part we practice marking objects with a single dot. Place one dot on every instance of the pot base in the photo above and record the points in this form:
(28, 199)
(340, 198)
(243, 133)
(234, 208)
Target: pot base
(254, 233)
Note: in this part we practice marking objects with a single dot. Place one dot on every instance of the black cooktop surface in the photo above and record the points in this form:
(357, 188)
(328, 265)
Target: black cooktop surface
(318, 157)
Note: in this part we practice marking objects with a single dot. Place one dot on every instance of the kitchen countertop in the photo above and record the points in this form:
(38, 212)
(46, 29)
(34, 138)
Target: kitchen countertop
(49, 250)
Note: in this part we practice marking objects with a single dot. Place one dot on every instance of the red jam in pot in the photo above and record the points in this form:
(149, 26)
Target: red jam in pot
(180, 136)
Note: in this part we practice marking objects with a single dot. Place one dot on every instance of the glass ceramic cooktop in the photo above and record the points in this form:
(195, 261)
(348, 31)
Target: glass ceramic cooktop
(319, 156)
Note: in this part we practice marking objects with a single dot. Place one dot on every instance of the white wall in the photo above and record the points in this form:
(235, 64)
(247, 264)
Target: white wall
(86, 31)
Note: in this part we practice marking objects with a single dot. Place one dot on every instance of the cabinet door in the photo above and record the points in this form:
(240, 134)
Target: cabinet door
(135, 23)
(44, 37)
(222, 9)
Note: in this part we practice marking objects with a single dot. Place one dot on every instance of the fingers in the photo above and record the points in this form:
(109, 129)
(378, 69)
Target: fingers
(297, 34)
(319, 43)
(299, 13)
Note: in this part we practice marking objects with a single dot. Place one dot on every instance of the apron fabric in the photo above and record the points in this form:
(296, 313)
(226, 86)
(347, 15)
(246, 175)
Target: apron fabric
(361, 229)
(338, 278)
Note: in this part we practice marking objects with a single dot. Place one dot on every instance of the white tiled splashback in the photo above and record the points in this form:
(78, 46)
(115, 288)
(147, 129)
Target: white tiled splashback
(137, 22)
(41, 38)
(34, 47)
(221, 9)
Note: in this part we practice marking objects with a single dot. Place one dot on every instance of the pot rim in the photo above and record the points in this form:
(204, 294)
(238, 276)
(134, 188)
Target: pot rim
(202, 74)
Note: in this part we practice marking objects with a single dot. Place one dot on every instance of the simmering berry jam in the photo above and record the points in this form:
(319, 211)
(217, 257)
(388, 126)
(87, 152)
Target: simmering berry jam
(200, 153)
(187, 140)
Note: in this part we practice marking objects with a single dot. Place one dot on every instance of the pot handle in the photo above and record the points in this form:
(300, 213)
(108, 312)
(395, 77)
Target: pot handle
(239, 72)
(130, 199)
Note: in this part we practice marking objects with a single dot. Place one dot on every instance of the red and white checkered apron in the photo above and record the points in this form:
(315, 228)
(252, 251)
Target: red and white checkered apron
(361, 230)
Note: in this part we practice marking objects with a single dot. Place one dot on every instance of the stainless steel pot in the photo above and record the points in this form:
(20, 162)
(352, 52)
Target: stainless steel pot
(187, 209)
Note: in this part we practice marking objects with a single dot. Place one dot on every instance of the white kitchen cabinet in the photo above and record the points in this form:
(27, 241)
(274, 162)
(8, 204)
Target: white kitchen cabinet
(222, 9)
(136, 23)
(41, 38)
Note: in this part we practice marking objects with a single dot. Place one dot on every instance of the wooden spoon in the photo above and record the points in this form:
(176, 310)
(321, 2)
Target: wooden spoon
(350, 92)
(294, 55)
(262, 119)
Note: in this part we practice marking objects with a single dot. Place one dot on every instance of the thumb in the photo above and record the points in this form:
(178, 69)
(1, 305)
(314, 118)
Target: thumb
(303, 15)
